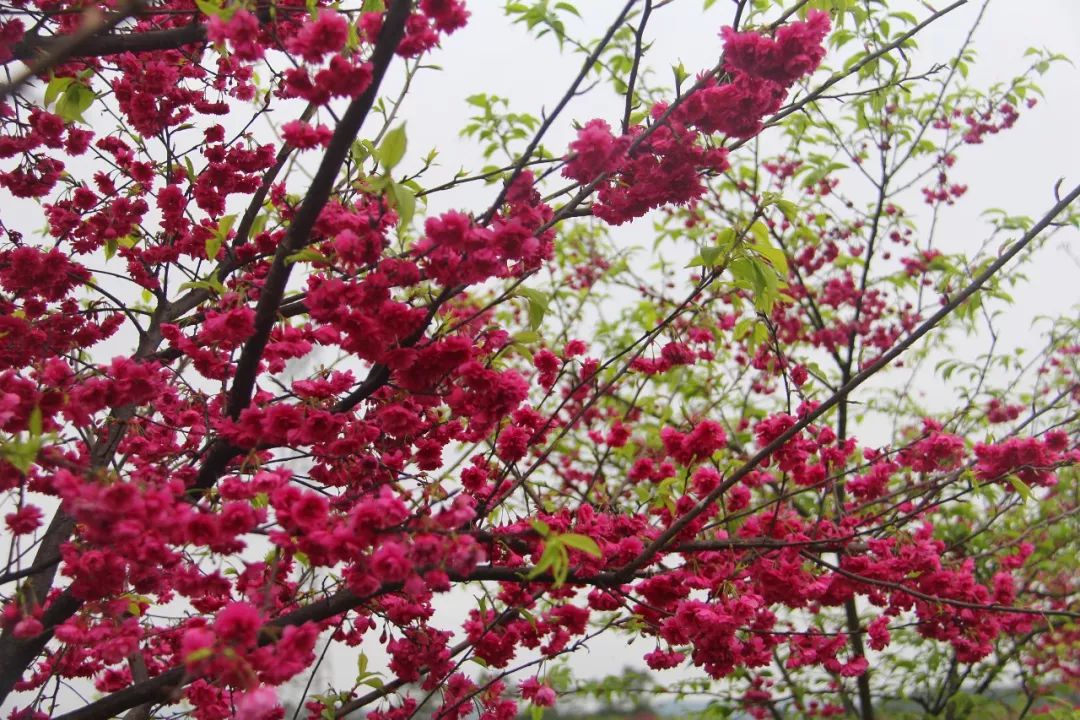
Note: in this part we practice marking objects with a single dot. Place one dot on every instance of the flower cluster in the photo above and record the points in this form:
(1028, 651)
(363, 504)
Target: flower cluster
(645, 169)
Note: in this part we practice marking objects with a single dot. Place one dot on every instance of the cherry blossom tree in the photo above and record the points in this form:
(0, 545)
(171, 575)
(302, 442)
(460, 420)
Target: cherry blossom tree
(262, 404)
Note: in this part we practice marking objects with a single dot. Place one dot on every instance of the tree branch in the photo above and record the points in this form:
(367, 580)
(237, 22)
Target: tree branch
(870, 371)
(56, 50)
(322, 185)
(32, 46)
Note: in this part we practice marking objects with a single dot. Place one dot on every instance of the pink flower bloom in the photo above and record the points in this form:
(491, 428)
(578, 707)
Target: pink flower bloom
(258, 704)
(327, 34)
(448, 15)
(513, 443)
(304, 136)
(574, 348)
(855, 668)
(390, 563)
(241, 30)
(661, 660)
(878, 631)
(27, 628)
(544, 697)
(594, 152)
(238, 624)
(25, 520)
(539, 694)
(229, 328)
(196, 645)
(794, 52)
(548, 364)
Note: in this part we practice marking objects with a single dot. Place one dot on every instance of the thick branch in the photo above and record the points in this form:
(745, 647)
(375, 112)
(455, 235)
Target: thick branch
(32, 46)
(298, 235)
(94, 25)
(322, 185)
(17, 654)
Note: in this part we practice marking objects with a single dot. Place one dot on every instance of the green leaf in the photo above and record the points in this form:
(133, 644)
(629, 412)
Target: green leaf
(538, 306)
(561, 568)
(308, 254)
(380, 183)
(789, 209)
(403, 199)
(21, 454)
(134, 609)
(542, 528)
(584, 543)
(34, 422)
(74, 101)
(213, 246)
(527, 337)
(549, 559)
(225, 225)
(775, 257)
(1021, 487)
(361, 150)
(259, 225)
(392, 148)
(711, 255)
(198, 655)
(352, 39)
(212, 9)
(568, 8)
(211, 283)
(220, 235)
(759, 231)
(208, 8)
(56, 86)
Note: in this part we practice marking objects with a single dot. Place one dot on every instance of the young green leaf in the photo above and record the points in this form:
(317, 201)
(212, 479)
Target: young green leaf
(538, 306)
(584, 543)
(392, 148)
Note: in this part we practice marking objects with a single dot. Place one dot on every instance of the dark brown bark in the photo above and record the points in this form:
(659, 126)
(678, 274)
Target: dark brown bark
(33, 46)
